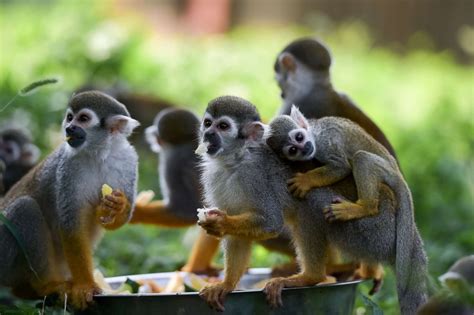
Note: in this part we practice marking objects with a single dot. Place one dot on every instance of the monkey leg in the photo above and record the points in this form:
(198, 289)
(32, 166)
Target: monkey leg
(370, 271)
(158, 213)
(312, 255)
(370, 171)
(78, 252)
(236, 256)
(31, 273)
(200, 259)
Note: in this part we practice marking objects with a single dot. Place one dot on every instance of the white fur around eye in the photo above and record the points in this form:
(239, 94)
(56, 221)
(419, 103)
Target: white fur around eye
(232, 130)
(94, 119)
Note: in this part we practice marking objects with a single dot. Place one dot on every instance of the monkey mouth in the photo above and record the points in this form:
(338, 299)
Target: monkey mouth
(213, 149)
(75, 137)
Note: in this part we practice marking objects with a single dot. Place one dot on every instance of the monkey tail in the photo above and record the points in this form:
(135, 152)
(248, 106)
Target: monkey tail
(410, 261)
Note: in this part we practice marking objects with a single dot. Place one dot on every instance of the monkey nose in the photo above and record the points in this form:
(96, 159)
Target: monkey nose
(308, 148)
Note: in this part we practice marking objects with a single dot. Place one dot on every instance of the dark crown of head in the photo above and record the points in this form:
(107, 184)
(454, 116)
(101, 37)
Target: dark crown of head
(102, 104)
(310, 52)
(233, 106)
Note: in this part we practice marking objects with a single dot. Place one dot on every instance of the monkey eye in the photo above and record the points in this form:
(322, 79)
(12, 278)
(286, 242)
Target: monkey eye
(207, 123)
(292, 151)
(299, 137)
(83, 118)
(223, 126)
(69, 117)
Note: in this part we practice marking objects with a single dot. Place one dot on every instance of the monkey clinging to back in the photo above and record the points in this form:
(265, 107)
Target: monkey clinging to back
(58, 210)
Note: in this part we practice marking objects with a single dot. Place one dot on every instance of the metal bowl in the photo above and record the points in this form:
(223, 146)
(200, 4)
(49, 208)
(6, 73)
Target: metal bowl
(331, 299)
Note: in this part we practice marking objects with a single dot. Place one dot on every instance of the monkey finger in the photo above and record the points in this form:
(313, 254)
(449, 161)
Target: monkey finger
(118, 193)
(112, 205)
(115, 199)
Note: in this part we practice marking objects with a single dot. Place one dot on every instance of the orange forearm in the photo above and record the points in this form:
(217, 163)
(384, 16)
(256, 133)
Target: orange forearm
(157, 213)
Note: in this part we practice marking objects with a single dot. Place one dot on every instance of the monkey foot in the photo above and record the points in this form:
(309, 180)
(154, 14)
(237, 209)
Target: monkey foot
(81, 295)
(341, 210)
(375, 273)
(214, 295)
(274, 287)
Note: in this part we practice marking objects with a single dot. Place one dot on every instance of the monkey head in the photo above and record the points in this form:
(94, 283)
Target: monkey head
(301, 64)
(93, 119)
(229, 124)
(460, 276)
(16, 147)
(290, 138)
(172, 126)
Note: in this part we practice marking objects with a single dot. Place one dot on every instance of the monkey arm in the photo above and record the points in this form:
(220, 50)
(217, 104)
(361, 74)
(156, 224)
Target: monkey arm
(158, 213)
(78, 253)
(325, 175)
(248, 225)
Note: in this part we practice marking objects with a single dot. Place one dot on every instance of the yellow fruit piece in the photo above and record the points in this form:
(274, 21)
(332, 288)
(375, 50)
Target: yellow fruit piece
(106, 190)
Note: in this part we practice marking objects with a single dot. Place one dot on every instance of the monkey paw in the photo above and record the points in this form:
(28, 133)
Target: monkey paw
(81, 295)
(113, 207)
(273, 290)
(340, 209)
(214, 222)
(214, 295)
(300, 184)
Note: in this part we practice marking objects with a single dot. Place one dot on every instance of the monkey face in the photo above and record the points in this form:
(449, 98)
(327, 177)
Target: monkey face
(10, 151)
(218, 134)
(85, 129)
(290, 137)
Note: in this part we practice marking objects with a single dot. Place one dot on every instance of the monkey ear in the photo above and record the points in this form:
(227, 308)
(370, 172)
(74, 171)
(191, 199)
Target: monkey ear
(254, 131)
(298, 117)
(122, 124)
(151, 136)
(287, 61)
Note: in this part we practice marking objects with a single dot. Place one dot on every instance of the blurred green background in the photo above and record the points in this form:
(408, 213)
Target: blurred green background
(422, 98)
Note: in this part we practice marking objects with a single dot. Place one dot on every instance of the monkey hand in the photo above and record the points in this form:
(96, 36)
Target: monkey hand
(81, 294)
(113, 210)
(301, 184)
(214, 294)
(213, 221)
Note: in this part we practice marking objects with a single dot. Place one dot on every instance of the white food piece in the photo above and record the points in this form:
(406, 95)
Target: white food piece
(202, 214)
(202, 149)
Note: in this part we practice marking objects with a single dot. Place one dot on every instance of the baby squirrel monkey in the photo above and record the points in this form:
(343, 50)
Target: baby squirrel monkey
(345, 149)
(58, 208)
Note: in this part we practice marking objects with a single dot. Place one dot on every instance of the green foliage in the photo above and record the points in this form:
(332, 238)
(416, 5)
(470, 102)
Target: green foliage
(423, 100)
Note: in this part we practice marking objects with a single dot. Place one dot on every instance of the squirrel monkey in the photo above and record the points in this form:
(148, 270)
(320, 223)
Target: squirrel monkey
(17, 155)
(58, 208)
(345, 149)
(174, 137)
(245, 180)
